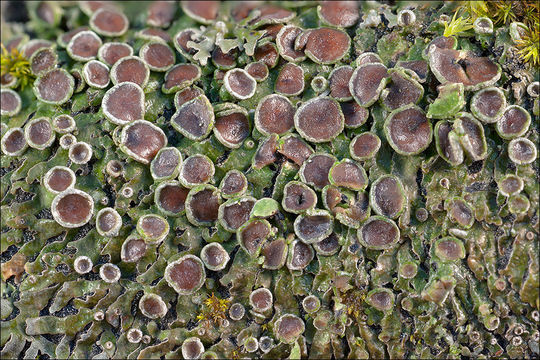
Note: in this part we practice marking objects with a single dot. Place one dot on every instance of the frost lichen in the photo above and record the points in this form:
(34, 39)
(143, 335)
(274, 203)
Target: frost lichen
(279, 179)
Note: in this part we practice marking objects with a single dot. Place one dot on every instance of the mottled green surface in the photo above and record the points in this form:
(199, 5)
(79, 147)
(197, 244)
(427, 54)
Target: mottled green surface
(485, 304)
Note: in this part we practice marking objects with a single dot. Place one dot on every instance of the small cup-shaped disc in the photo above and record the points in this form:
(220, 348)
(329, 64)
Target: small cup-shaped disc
(460, 212)
(478, 73)
(141, 140)
(381, 299)
(109, 22)
(110, 53)
(170, 198)
(82, 264)
(185, 275)
(510, 184)
(196, 170)
(78, 80)
(290, 81)
(134, 335)
(533, 89)
(378, 233)
(202, 205)
(417, 68)
(114, 168)
(8, 81)
(402, 90)
(214, 256)
(166, 164)
(193, 348)
(267, 53)
(239, 84)
(43, 60)
(194, 119)
(233, 184)
(471, 136)
(80, 152)
(349, 174)
(84, 46)
(202, 11)
(349, 208)
(339, 13)
(223, 60)
(39, 133)
(72, 208)
(251, 344)
(29, 48)
(133, 249)
(288, 328)
(319, 84)
(58, 179)
(235, 212)
(488, 104)
(108, 222)
(10, 102)
(110, 273)
(339, 83)
(232, 127)
(449, 249)
(295, 149)
(274, 115)
(408, 130)
(252, 235)
(123, 103)
(406, 17)
(185, 95)
(63, 124)
(285, 42)
(64, 38)
(319, 119)
(518, 204)
(181, 40)
(326, 45)
(311, 304)
(300, 255)
(328, 246)
(237, 311)
(298, 197)
(54, 87)
(153, 34)
(258, 70)
(96, 74)
(387, 196)
(522, 151)
(355, 115)
(275, 254)
(367, 83)
(152, 306)
(266, 152)
(179, 77)
(272, 14)
(447, 143)
(514, 122)
(157, 55)
(315, 169)
(161, 13)
(313, 226)
(483, 25)
(14, 142)
(364, 146)
(261, 300)
(153, 228)
(130, 69)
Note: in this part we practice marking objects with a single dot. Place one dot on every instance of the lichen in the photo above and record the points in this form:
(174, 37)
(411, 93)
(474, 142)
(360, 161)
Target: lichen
(160, 199)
